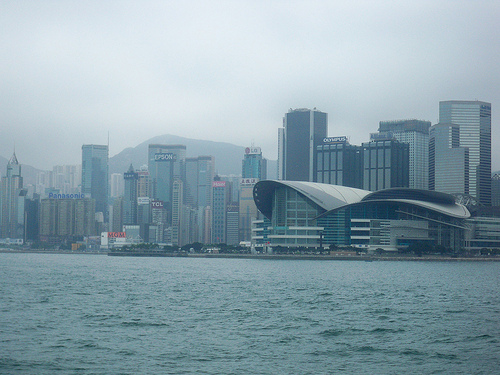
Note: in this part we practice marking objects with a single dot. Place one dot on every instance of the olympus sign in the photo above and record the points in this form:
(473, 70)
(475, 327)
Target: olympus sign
(342, 139)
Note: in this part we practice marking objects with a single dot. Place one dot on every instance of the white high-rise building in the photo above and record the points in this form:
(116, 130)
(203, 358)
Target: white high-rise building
(474, 121)
(416, 134)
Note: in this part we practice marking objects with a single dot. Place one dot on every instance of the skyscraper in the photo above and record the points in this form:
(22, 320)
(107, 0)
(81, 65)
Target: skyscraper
(199, 176)
(166, 163)
(254, 169)
(385, 164)
(12, 201)
(220, 201)
(95, 180)
(474, 121)
(448, 162)
(253, 164)
(416, 134)
(339, 163)
(131, 179)
(303, 130)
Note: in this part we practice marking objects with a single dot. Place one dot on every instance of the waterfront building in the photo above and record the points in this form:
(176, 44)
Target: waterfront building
(159, 219)
(131, 180)
(495, 190)
(177, 212)
(116, 214)
(385, 164)
(144, 182)
(12, 197)
(303, 130)
(483, 234)
(166, 163)
(474, 121)
(247, 209)
(232, 224)
(221, 191)
(312, 215)
(66, 178)
(339, 163)
(416, 134)
(254, 169)
(95, 181)
(448, 162)
(200, 173)
(117, 185)
(253, 164)
(143, 210)
(66, 219)
(32, 217)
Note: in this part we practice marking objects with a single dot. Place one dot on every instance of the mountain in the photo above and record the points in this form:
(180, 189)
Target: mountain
(228, 157)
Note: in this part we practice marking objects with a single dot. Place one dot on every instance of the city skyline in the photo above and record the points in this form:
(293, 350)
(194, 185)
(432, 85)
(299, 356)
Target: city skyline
(73, 73)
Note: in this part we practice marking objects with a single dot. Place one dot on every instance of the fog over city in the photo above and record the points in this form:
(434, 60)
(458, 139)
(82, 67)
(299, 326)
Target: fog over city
(73, 71)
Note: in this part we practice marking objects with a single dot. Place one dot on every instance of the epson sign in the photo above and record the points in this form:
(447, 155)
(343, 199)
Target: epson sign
(342, 139)
(165, 156)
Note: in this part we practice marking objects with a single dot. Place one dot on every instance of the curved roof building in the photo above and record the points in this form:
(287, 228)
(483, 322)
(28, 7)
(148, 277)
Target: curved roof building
(308, 214)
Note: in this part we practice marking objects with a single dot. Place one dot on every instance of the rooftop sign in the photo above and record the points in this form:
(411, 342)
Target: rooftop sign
(165, 156)
(342, 139)
(66, 196)
(219, 184)
(252, 150)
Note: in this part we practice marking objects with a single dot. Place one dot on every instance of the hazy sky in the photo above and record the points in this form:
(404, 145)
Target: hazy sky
(72, 71)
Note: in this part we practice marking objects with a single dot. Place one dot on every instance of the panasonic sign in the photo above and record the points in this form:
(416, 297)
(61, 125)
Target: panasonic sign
(66, 196)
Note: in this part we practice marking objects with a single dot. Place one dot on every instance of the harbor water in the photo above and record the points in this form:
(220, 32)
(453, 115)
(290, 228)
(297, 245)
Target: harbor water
(94, 314)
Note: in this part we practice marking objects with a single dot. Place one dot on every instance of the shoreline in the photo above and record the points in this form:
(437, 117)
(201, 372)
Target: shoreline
(365, 258)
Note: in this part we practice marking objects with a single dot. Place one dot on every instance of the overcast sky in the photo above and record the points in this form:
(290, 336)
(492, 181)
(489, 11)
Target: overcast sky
(72, 71)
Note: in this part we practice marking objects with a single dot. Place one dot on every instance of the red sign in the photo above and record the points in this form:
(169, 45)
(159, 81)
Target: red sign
(219, 184)
(117, 235)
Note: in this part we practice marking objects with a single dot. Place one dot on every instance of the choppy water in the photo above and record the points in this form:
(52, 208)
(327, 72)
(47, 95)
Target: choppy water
(82, 314)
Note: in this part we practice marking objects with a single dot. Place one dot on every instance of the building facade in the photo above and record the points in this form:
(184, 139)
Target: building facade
(95, 180)
(313, 215)
(339, 163)
(220, 201)
(474, 121)
(385, 164)
(448, 162)
(12, 199)
(416, 134)
(131, 180)
(67, 219)
(303, 130)
(166, 163)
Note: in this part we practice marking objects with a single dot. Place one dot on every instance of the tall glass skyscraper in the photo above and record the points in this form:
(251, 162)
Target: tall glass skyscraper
(416, 134)
(253, 164)
(166, 163)
(474, 120)
(448, 162)
(303, 130)
(130, 197)
(12, 201)
(95, 180)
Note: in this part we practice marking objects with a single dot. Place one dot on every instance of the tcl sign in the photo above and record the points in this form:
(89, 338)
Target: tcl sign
(156, 204)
